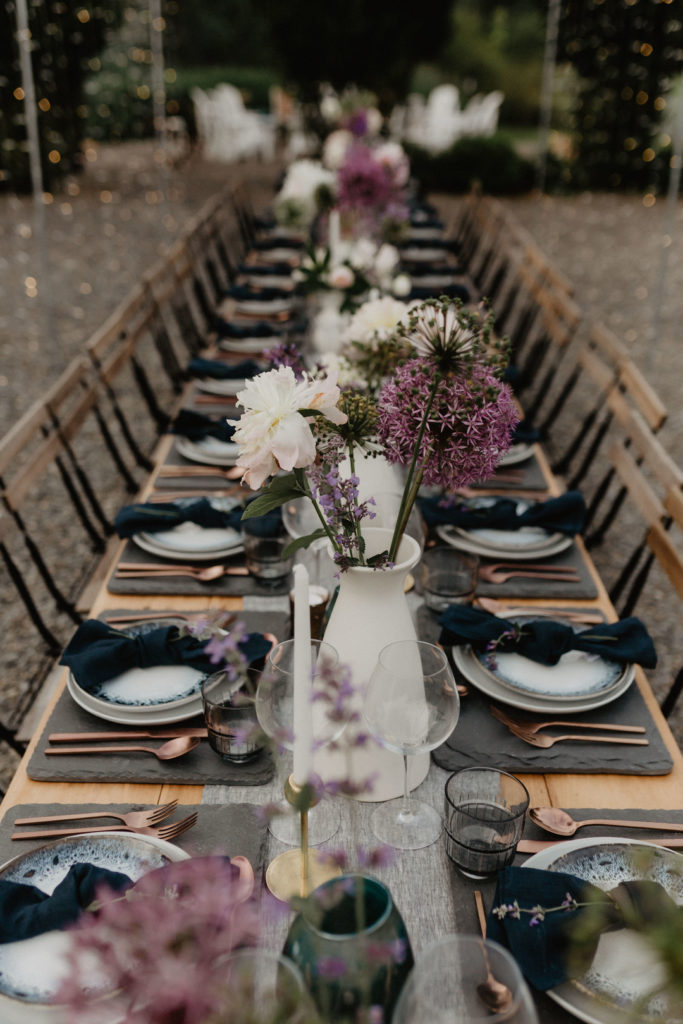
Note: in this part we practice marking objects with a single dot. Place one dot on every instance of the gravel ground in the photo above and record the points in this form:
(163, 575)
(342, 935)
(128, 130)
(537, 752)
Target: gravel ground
(104, 228)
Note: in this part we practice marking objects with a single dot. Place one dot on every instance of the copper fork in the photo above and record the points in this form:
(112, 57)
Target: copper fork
(541, 740)
(233, 473)
(533, 727)
(137, 819)
(167, 832)
(494, 576)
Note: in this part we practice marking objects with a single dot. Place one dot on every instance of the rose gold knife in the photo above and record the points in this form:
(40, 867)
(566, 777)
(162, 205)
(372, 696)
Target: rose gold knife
(536, 845)
(161, 734)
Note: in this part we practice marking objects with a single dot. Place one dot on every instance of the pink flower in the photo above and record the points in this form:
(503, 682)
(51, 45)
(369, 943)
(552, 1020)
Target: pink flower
(341, 276)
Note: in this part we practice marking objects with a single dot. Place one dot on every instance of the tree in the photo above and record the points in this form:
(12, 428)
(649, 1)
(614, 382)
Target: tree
(625, 52)
(66, 38)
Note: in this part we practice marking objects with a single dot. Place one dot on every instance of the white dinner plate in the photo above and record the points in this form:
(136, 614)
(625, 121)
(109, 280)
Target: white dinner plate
(468, 663)
(269, 280)
(625, 966)
(280, 254)
(575, 677)
(263, 306)
(419, 233)
(467, 542)
(209, 451)
(31, 970)
(436, 280)
(213, 386)
(250, 345)
(147, 543)
(133, 716)
(517, 453)
(190, 538)
(418, 254)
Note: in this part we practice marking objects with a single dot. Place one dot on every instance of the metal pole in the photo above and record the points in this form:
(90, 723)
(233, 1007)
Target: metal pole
(669, 229)
(37, 187)
(549, 61)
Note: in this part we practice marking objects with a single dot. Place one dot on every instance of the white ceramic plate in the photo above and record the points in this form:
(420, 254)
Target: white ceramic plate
(212, 386)
(268, 280)
(30, 970)
(264, 306)
(517, 453)
(133, 716)
(209, 451)
(249, 345)
(421, 233)
(435, 280)
(450, 535)
(147, 543)
(280, 255)
(190, 539)
(624, 966)
(418, 254)
(470, 666)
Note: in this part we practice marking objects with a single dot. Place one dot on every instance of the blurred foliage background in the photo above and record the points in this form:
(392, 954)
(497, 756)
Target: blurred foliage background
(618, 60)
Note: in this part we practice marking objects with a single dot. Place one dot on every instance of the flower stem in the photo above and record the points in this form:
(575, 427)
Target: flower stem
(321, 517)
(410, 490)
(352, 463)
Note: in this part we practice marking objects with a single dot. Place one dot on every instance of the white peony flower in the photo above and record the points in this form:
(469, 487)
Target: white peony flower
(346, 373)
(297, 200)
(385, 263)
(341, 276)
(336, 147)
(393, 157)
(376, 320)
(401, 285)
(362, 253)
(272, 433)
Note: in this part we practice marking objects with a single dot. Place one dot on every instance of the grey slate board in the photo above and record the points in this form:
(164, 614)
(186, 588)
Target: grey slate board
(479, 738)
(225, 586)
(520, 586)
(230, 829)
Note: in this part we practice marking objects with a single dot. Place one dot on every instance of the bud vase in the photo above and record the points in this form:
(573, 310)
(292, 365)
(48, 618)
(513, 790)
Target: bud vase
(372, 956)
(370, 612)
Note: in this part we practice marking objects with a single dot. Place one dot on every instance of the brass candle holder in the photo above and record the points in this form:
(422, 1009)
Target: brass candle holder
(298, 872)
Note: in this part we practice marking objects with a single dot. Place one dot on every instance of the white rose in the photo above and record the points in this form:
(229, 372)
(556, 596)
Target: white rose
(341, 277)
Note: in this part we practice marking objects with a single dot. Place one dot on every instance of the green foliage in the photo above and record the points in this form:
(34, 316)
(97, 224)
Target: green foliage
(625, 52)
(373, 45)
(491, 161)
(67, 38)
(216, 33)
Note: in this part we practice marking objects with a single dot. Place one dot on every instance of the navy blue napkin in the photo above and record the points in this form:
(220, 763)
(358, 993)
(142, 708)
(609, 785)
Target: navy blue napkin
(151, 517)
(25, 911)
(525, 433)
(565, 514)
(265, 270)
(199, 367)
(97, 652)
(545, 640)
(453, 291)
(447, 244)
(427, 269)
(277, 242)
(259, 329)
(547, 950)
(196, 426)
(423, 219)
(243, 292)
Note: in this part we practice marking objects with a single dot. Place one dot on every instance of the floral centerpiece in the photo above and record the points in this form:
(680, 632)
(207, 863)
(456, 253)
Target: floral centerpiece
(444, 414)
(355, 269)
(372, 190)
(308, 189)
(372, 344)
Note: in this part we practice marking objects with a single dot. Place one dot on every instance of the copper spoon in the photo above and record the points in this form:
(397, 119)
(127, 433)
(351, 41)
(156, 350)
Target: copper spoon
(557, 821)
(212, 572)
(166, 752)
(493, 993)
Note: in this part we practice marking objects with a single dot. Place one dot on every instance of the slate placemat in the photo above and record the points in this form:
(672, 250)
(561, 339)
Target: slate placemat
(200, 767)
(479, 738)
(531, 477)
(228, 829)
(520, 586)
(225, 586)
(463, 888)
(212, 481)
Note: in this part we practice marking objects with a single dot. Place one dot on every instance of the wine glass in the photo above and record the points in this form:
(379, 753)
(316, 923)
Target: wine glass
(451, 984)
(274, 705)
(411, 706)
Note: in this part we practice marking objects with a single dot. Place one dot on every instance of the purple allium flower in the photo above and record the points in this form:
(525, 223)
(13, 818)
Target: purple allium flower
(468, 427)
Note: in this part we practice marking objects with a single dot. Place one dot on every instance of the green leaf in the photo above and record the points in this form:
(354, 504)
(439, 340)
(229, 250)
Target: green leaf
(303, 542)
(279, 490)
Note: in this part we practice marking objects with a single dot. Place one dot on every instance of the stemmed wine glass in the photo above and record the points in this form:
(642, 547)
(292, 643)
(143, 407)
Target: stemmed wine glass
(411, 706)
(274, 705)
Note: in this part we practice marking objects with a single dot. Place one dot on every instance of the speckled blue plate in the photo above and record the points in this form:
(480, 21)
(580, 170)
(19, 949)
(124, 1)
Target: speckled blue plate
(31, 970)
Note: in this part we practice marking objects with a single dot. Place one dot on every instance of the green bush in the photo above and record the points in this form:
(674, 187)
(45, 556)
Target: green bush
(491, 161)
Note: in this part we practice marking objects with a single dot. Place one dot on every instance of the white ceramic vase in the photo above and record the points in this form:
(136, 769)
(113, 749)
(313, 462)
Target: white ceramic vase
(370, 612)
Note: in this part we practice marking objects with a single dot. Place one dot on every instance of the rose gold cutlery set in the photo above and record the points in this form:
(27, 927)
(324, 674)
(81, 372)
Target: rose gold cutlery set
(531, 733)
(147, 823)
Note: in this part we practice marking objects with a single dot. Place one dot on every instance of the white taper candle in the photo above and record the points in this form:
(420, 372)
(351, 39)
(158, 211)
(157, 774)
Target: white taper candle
(303, 712)
(334, 235)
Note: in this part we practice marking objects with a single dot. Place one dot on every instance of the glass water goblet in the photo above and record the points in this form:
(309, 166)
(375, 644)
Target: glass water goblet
(452, 980)
(411, 706)
(274, 705)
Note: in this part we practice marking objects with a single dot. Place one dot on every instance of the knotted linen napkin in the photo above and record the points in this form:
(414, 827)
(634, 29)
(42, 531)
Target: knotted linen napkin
(266, 269)
(97, 652)
(196, 426)
(550, 947)
(244, 293)
(453, 291)
(525, 433)
(151, 517)
(565, 514)
(427, 269)
(278, 242)
(447, 244)
(544, 640)
(259, 329)
(26, 911)
(199, 367)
